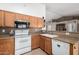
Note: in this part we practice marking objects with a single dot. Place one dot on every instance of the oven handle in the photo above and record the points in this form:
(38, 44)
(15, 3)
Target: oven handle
(23, 41)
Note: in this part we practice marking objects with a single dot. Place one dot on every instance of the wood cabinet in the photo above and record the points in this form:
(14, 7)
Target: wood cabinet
(1, 18)
(27, 17)
(33, 21)
(42, 42)
(76, 49)
(40, 22)
(48, 46)
(36, 22)
(20, 16)
(6, 46)
(9, 19)
(35, 41)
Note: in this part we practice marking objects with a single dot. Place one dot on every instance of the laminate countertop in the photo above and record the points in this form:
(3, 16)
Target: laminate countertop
(64, 38)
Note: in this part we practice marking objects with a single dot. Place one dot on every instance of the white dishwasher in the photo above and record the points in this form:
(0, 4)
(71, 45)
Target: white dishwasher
(60, 48)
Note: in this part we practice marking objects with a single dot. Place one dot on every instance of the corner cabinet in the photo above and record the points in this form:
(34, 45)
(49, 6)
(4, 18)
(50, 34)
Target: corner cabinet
(9, 19)
(33, 21)
(36, 22)
(6, 46)
(46, 44)
(42, 42)
(1, 18)
(40, 22)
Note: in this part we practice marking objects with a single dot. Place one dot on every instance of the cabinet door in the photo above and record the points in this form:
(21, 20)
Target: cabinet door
(35, 41)
(48, 45)
(20, 16)
(40, 22)
(1, 18)
(42, 43)
(6, 46)
(10, 46)
(76, 49)
(2, 48)
(33, 22)
(9, 19)
(27, 17)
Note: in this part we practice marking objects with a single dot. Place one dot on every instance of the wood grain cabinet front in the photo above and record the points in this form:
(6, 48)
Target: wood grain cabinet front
(48, 46)
(33, 22)
(42, 43)
(6, 46)
(40, 22)
(36, 22)
(35, 41)
(1, 18)
(76, 49)
(20, 16)
(9, 19)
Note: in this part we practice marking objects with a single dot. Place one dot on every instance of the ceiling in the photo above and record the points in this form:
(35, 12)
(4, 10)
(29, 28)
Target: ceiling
(56, 10)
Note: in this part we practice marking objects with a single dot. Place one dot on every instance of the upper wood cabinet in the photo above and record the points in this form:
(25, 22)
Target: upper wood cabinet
(27, 17)
(9, 19)
(33, 21)
(36, 22)
(1, 18)
(20, 16)
(40, 22)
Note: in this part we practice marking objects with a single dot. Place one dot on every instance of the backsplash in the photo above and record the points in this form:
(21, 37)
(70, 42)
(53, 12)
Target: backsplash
(6, 30)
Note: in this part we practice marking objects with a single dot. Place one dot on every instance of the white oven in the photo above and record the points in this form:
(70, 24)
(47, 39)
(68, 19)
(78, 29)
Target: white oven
(22, 41)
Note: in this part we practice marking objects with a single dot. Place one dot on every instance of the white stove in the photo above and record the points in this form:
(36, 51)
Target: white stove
(22, 41)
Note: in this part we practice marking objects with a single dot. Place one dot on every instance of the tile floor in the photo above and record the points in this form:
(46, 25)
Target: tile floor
(36, 52)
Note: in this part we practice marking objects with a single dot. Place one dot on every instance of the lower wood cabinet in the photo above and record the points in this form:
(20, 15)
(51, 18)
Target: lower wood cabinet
(6, 46)
(46, 44)
(42, 42)
(35, 41)
(76, 49)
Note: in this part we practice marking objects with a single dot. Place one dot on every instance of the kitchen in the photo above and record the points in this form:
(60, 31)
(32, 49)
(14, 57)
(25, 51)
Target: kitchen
(39, 29)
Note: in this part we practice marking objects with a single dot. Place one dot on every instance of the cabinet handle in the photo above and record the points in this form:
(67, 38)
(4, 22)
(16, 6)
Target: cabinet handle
(58, 45)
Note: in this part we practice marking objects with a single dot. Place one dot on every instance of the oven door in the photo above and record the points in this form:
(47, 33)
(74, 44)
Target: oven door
(22, 42)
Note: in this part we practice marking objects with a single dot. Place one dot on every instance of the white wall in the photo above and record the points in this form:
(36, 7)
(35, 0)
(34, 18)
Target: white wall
(34, 9)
